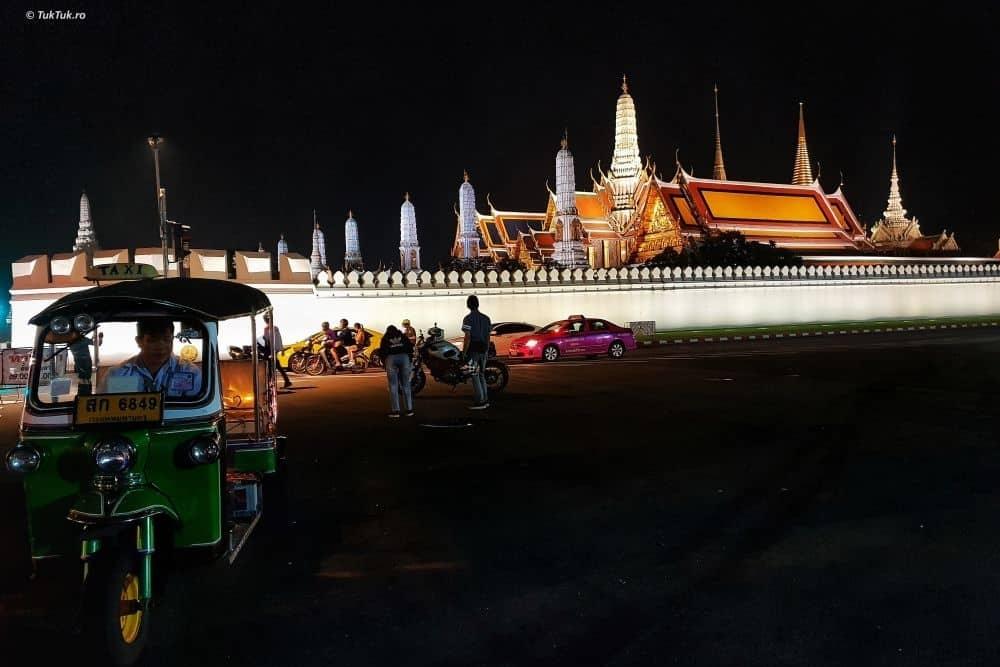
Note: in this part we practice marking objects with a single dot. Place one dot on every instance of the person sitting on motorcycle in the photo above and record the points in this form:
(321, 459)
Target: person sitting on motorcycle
(341, 347)
(361, 341)
(329, 340)
(409, 332)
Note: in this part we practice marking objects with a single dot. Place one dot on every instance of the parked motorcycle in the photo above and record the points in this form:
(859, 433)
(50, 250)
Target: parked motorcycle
(446, 364)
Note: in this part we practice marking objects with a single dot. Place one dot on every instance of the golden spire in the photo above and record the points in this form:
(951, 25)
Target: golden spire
(350, 213)
(624, 85)
(895, 176)
(407, 196)
(719, 169)
(565, 138)
(802, 173)
(465, 175)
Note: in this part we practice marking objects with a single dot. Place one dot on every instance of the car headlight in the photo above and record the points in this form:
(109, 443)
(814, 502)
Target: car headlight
(203, 449)
(83, 323)
(114, 456)
(59, 325)
(22, 459)
(532, 343)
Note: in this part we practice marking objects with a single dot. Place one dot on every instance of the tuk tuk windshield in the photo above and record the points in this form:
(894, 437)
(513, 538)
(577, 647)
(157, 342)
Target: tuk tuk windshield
(147, 354)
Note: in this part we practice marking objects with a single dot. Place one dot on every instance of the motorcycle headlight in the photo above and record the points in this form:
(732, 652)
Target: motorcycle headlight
(83, 323)
(59, 325)
(22, 459)
(114, 456)
(203, 449)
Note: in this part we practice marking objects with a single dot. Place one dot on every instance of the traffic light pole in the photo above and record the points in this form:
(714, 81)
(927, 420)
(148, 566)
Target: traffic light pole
(161, 204)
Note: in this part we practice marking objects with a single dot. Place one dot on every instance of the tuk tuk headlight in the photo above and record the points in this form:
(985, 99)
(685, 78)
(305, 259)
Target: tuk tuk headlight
(22, 459)
(60, 325)
(203, 449)
(83, 323)
(114, 456)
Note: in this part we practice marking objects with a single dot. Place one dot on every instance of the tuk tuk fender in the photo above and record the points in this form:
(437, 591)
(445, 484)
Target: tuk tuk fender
(133, 505)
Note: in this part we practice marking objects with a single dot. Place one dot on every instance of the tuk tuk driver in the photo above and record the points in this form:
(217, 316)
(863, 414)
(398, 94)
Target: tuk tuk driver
(156, 367)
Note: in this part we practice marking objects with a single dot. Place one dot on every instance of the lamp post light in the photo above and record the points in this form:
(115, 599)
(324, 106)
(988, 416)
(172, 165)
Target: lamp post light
(161, 205)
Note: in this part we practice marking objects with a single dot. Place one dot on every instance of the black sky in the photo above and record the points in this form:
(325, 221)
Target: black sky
(270, 113)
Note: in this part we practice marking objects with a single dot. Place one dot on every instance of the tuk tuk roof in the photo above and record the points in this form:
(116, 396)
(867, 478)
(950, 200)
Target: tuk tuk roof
(201, 297)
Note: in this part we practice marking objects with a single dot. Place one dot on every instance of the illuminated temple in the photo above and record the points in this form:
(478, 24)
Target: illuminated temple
(631, 214)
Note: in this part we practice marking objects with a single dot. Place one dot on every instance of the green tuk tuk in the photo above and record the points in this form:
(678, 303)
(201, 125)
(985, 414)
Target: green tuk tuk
(137, 440)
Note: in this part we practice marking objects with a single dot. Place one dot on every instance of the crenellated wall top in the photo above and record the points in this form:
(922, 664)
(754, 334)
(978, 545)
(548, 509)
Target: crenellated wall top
(69, 270)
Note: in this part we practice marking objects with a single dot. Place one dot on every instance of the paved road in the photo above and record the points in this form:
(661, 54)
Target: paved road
(820, 502)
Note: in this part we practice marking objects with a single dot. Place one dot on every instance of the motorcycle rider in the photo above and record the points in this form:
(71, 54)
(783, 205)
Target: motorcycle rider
(343, 344)
(409, 332)
(476, 326)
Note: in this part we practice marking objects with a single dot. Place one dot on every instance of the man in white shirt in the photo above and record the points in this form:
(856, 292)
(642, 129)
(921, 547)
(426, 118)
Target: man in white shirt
(156, 367)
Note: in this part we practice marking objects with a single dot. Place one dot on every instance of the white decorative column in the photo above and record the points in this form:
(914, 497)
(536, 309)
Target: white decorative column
(409, 246)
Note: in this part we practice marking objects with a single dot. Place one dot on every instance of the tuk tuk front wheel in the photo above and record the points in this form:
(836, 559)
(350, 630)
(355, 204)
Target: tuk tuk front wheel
(117, 622)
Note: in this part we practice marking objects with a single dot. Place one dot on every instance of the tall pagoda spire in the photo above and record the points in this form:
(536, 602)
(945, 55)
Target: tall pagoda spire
(626, 165)
(469, 236)
(894, 229)
(569, 250)
(86, 239)
(719, 168)
(894, 210)
(282, 247)
(352, 258)
(409, 246)
(802, 173)
(318, 258)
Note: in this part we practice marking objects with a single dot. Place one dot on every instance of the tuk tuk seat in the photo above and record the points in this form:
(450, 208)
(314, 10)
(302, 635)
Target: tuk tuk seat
(238, 399)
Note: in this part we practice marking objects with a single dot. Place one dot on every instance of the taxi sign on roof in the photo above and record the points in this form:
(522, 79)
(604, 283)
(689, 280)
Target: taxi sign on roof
(122, 272)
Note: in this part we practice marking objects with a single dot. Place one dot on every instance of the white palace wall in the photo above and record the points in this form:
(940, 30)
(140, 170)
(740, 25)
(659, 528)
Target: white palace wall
(674, 299)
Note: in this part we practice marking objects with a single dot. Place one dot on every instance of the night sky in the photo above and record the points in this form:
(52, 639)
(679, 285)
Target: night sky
(270, 113)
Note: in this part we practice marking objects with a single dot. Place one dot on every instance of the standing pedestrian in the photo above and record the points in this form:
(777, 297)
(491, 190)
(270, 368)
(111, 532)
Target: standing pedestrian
(269, 331)
(476, 326)
(396, 351)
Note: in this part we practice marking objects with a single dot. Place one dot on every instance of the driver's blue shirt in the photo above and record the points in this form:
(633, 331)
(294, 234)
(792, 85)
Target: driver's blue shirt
(176, 378)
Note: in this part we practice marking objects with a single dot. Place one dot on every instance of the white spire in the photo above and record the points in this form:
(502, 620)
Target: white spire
(86, 239)
(352, 258)
(318, 258)
(409, 246)
(467, 213)
(569, 243)
(565, 178)
(282, 247)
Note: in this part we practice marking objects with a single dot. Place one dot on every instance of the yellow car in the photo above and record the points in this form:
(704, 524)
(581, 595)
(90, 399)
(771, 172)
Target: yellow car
(295, 356)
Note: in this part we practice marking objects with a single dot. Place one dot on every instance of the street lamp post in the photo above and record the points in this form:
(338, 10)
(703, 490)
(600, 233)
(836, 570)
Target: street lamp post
(154, 143)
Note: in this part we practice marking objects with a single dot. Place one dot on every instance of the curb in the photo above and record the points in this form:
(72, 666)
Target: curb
(805, 334)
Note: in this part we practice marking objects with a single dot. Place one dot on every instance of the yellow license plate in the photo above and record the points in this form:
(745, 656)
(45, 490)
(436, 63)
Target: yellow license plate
(141, 408)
